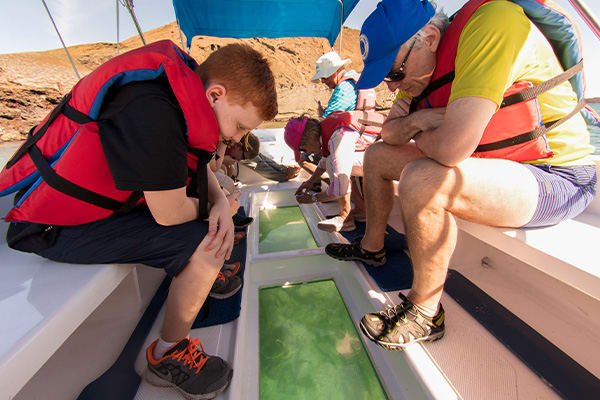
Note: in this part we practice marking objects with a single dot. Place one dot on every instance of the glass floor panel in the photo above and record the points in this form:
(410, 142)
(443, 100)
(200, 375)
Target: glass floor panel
(283, 229)
(309, 347)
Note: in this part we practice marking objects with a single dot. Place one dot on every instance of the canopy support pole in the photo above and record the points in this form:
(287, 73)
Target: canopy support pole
(61, 40)
(181, 37)
(117, 8)
(586, 13)
(341, 25)
(129, 5)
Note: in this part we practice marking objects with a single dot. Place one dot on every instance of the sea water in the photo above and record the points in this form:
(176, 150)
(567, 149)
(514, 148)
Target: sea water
(283, 229)
(309, 347)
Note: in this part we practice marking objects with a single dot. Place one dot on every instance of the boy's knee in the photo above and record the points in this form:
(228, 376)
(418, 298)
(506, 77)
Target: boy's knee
(205, 259)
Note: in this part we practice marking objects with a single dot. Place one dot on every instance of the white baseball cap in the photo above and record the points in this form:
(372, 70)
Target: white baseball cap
(327, 64)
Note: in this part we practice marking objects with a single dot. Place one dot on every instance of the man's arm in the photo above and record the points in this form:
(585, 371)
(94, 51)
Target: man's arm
(400, 126)
(460, 132)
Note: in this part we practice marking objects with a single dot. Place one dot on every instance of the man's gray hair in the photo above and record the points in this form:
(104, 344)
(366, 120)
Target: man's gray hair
(439, 20)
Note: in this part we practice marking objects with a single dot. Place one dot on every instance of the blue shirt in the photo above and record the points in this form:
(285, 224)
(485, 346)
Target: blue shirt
(343, 98)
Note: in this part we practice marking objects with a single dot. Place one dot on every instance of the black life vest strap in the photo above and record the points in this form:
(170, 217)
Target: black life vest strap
(201, 181)
(62, 107)
(432, 87)
(69, 188)
(525, 137)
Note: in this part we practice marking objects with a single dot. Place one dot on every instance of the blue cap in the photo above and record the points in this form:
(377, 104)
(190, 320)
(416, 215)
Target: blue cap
(391, 24)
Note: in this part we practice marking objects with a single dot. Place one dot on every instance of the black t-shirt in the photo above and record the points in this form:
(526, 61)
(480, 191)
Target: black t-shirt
(143, 136)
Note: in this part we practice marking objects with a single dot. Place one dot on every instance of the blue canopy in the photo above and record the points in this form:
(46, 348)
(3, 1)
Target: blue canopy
(262, 18)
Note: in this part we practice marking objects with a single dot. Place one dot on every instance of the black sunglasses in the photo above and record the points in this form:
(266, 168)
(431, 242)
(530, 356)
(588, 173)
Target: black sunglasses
(397, 76)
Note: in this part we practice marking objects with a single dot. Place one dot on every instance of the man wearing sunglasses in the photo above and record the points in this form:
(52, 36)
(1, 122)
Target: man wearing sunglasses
(433, 145)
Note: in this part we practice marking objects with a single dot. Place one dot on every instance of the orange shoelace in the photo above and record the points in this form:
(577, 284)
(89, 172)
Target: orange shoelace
(220, 276)
(191, 356)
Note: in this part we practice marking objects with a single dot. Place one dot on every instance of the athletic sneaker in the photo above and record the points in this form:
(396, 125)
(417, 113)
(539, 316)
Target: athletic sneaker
(225, 286)
(241, 221)
(354, 252)
(231, 269)
(402, 325)
(187, 368)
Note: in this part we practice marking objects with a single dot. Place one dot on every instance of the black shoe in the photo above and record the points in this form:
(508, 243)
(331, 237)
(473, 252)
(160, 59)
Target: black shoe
(241, 222)
(402, 325)
(354, 252)
(225, 286)
(187, 368)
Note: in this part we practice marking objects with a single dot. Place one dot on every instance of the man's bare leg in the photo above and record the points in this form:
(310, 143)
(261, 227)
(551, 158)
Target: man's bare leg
(490, 192)
(383, 165)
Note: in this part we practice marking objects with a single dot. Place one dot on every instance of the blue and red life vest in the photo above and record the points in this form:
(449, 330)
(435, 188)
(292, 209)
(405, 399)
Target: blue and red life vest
(62, 163)
(515, 132)
(368, 123)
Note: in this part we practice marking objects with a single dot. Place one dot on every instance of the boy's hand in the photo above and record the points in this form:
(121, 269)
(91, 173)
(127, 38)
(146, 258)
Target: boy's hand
(234, 202)
(220, 228)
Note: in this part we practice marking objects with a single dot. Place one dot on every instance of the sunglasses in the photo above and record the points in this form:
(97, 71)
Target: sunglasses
(397, 76)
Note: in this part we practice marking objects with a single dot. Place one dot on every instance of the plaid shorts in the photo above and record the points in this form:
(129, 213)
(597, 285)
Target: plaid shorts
(564, 192)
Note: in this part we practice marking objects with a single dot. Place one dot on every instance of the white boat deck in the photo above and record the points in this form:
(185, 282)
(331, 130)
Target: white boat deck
(468, 362)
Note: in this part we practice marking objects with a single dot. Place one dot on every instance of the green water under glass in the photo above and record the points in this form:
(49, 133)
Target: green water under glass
(283, 229)
(309, 347)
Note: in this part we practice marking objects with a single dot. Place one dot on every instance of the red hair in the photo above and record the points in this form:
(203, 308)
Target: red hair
(245, 74)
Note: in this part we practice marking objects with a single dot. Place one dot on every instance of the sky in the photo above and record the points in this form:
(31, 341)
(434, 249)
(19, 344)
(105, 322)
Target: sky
(25, 25)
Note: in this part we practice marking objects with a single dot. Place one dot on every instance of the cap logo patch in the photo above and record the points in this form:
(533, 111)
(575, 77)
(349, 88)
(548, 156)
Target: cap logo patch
(364, 46)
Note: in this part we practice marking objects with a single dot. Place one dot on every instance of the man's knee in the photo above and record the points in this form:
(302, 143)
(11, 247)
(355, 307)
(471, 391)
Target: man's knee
(373, 155)
(421, 181)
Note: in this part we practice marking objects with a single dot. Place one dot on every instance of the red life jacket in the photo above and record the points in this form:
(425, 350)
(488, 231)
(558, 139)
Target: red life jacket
(366, 97)
(62, 161)
(368, 123)
(515, 132)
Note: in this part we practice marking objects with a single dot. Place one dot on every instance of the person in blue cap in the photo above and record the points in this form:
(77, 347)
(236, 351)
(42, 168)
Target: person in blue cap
(455, 148)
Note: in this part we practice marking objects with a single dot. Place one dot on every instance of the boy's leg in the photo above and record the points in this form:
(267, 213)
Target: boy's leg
(136, 238)
(189, 289)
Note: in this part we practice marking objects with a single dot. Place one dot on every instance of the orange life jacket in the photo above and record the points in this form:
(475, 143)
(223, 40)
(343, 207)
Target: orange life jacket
(515, 132)
(367, 123)
(62, 162)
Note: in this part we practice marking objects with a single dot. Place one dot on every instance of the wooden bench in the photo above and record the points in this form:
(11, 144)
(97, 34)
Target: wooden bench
(41, 304)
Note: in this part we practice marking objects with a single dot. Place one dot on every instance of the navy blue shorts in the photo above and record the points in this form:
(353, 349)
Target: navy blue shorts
(132, 238)
(564, 192)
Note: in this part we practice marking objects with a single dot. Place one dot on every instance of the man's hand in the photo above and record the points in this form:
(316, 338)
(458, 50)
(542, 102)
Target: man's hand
(400, 127)
(220, 229)
(428, 118)
(400, 108)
